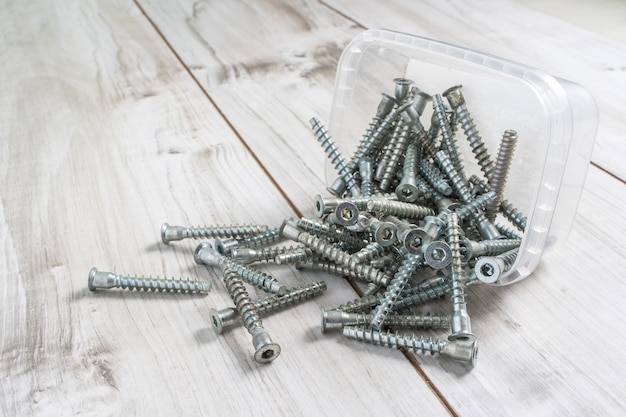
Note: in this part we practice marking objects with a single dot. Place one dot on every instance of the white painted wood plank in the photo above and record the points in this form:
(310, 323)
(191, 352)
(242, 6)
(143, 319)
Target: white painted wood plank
(513, 31)
(273, 61)
(105, 136)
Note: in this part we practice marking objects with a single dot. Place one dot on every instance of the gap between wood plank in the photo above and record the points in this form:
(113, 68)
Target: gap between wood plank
(412, 361)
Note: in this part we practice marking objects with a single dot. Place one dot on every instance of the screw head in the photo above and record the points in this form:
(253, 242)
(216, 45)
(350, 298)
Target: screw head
(438, 255)
(90, 280)
(346, 213)
(487, 270)
(216, 321)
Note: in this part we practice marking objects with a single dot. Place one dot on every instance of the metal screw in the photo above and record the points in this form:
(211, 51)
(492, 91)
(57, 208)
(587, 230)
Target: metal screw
(172, 233)
(337, 319)
(488, 269)
(265, 349)
(500, 172)
(335, 156)
(106, 280)
(206, 255)
(229, 316)
(460, 350)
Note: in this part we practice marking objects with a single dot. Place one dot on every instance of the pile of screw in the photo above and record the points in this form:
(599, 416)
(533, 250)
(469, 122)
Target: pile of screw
(403, 218)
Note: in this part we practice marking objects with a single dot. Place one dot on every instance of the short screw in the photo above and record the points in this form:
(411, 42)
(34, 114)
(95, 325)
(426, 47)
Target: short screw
(106, 280)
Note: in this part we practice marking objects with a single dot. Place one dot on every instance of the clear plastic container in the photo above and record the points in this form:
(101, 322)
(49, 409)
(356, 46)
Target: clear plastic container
(556, 121)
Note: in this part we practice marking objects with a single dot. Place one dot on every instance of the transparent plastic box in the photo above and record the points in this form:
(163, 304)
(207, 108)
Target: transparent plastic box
(556, 121)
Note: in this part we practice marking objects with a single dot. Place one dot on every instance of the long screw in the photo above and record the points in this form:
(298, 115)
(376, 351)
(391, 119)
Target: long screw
(229, 316)
(336, 319)
(172, 233)
(335, 156)
(265, 349)
(500, 172)
(106, 280)
(460, 350)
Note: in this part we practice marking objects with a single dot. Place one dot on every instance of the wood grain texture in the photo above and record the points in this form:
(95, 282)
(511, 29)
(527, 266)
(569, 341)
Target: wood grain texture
(513, 31)
(274, 61)
(105, 136)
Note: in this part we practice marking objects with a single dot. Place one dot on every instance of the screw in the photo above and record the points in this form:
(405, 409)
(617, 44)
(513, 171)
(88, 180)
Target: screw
(229, 316)
(447, 137)
(461, 327)
(270, 237)
(248, 255)
(371, 251)
(328, 251)
(500, 172)
(366, 174)
(471, 249)
(434, 177)
(399, 208)
(408, 267)
(460, 350)
(457, 102)
(402, 132)
(332, 232)
(335, 156)
(265, 349)
(106, 280)
(172, 233)
(408, 191)
(336, 319)
(206, 255)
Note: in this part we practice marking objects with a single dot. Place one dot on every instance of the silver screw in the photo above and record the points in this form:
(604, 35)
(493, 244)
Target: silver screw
(106, 280)
(461, 327)
(336, 319)
(335, 156)
(407, 190)
(206, 255)
(400, 279)
(173, 233)
(460, 350)
(489, 268)
(448, 141)
(366, 174)
(265, 349)
(457, 102)
(399, 208)
(500, 172)
(229, 316)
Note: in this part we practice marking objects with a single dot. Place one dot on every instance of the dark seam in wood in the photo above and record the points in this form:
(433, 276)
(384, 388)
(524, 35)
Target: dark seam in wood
(221, 113)
(606, 171)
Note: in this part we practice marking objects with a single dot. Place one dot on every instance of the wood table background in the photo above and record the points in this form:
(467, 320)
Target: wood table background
(117, 116)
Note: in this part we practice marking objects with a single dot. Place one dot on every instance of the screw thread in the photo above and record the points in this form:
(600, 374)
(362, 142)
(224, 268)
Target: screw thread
(402, 131)
(408, 189)
(294, 256)
(330, 268)
(509, 258)
(397, 284)
(365, 303)
(434, 177)
(453, 175)
(328, 251)
(292, 296)
(330, 231)
(174, 233)
(375, 140)
(498, 178)
(259, 279)
(398, 321)
(160, 284)
(513, 215)
(507, 231)
(478, 203)
(241, 298)
(369, 252)
(261, 255)
(399, 208)
(448, 139)
(461, 325)
(421, 295)
(394, 340)
(498, 246)
(268, 238)
(335, 156)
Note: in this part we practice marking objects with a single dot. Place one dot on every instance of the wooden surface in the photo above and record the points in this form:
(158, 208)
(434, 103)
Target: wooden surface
(117, 116)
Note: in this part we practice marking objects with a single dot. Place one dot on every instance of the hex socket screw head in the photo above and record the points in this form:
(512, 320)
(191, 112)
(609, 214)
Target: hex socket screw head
(403, 87)
(454, 96)
(488, 269)
(438, 255)
(346, 214)
(462, 350)
(265, 349)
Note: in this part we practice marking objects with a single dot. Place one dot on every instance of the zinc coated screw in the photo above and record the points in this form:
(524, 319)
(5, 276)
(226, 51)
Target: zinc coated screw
(265, 349)
(336, 319)
(460, 350)
(106, 280)
(335, 156)
(172, 233)
(500, 172)
(229, 316)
